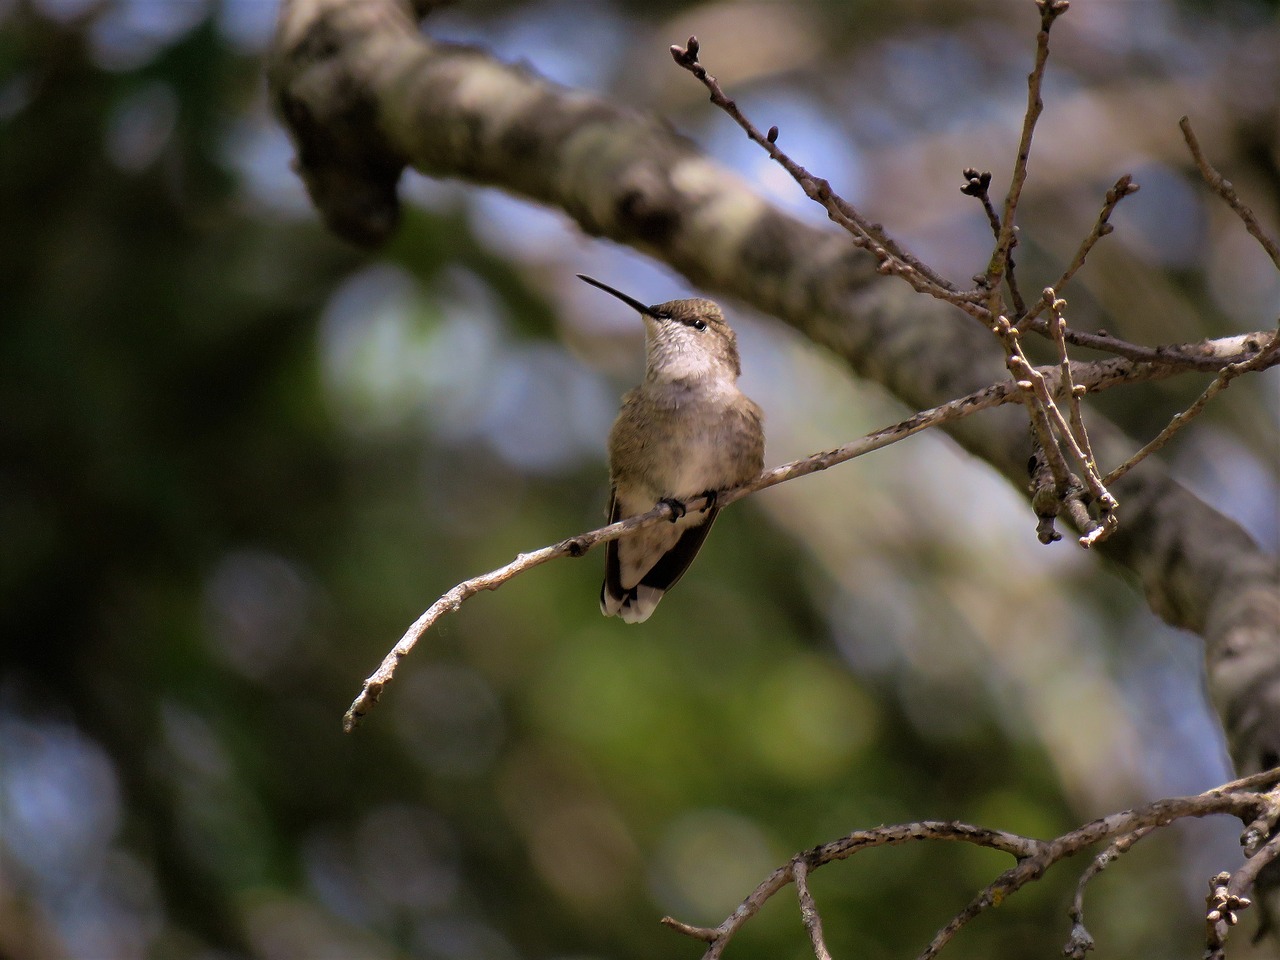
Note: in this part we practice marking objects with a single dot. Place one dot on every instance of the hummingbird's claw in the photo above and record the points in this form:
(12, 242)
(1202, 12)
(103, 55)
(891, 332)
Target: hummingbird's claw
(677, 507)
(711, 497)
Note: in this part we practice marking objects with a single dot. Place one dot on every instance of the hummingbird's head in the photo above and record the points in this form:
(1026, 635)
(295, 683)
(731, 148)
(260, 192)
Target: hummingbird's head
(685, 339)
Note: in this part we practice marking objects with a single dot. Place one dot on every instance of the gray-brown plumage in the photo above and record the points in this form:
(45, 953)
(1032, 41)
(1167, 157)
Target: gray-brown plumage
(687, 430)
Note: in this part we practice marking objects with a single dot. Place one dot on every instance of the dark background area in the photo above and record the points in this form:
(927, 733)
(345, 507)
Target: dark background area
(238, 458)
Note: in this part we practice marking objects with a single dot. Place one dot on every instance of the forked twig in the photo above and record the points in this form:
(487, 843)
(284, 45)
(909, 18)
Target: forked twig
(984, 304)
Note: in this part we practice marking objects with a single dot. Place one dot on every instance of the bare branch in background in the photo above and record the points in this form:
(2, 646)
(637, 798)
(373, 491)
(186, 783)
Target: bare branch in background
(1246, 799)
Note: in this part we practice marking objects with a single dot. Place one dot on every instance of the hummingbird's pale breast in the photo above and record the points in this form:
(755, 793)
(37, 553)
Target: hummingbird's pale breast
(687, 430)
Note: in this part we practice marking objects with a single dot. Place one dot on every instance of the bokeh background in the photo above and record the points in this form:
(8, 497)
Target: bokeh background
(237, 458)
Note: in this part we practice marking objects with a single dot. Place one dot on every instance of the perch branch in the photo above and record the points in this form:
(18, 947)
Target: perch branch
(1094, 376)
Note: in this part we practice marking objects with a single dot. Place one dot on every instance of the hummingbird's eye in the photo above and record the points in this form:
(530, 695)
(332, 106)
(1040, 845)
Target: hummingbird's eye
(699, 324)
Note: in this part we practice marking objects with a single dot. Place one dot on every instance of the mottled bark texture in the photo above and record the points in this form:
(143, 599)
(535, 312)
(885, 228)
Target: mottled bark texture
(364, 94)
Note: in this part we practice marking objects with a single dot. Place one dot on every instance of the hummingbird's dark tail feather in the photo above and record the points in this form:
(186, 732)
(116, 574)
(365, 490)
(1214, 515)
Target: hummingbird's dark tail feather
(636, 604)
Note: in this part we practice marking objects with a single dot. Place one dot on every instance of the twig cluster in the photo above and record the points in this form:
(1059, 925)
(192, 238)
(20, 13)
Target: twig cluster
(1065, 478)
(1253, 800)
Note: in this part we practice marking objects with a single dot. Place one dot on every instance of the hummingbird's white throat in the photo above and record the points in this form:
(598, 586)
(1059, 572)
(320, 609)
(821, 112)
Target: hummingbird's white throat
(680, 353)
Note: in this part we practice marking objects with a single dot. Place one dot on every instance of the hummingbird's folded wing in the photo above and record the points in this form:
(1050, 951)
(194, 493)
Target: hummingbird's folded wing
(641, 567)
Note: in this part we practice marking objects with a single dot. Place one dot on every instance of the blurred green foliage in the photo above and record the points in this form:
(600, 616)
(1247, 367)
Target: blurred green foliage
(239, 458)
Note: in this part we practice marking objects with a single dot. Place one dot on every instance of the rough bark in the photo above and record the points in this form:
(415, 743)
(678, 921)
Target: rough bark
(364, 94)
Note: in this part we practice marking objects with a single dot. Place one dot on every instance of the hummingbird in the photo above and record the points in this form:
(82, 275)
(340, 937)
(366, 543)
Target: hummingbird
(687, 431)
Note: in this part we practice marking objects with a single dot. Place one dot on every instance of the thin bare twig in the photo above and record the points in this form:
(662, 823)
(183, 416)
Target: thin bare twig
(809, 909)
(1038, 401)
(1228, 373)
(1263, 358)
(894, 259)
(1050, 428)
(870, 236)
(1122, 188)
(1080, 941)
(1186, 356)
(1050, 10)
(1076, 437)
(1228, 193)
(1243, 880)
(978, 185)
(1058, 327)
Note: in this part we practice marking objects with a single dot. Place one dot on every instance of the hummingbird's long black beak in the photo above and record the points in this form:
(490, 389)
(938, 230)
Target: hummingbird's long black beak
(629, 301)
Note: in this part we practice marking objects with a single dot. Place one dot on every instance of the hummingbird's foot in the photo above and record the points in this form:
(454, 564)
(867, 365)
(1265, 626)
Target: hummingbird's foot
(678, 509)
(711, 497)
